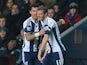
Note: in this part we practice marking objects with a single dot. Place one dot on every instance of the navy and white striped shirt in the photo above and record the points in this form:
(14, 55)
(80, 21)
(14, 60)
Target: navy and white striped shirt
(51, 28)
(31, 26)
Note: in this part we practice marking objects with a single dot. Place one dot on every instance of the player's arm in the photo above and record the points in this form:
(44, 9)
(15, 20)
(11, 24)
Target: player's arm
(46, 37)
(44, 41)
(46, 50)
(43, 45)
(48, 28)
(31, 36)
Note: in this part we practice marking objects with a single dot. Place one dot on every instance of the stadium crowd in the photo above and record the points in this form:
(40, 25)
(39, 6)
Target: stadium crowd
(14, 12)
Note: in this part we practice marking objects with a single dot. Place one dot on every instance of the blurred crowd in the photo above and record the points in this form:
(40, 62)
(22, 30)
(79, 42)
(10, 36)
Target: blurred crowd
(14, 12)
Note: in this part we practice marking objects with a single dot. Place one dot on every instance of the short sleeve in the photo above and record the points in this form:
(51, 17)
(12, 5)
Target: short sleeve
(26, 27)
(49, 26)
(47, 29)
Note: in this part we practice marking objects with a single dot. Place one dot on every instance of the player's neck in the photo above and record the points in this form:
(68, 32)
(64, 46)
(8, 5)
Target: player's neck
(35, 20)
(44, 18)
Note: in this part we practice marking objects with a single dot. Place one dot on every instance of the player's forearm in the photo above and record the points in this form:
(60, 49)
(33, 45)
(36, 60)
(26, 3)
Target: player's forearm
(29, 36)
(32, 36)
(44, 41)
(46, 49)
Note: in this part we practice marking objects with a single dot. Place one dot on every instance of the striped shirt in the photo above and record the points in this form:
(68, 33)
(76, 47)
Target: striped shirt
(31, 26)
(51, 28)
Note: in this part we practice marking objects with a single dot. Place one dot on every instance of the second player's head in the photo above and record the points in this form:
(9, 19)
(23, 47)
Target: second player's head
(41, 13)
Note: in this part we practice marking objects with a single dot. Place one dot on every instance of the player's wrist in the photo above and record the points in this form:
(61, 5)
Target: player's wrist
(37, 34)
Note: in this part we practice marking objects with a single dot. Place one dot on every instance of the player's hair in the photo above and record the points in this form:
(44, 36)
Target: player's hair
(43, 8)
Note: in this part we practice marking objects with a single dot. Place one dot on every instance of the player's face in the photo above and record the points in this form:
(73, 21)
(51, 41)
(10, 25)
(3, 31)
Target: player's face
(33, 12)
(2, 22)
(40, 14)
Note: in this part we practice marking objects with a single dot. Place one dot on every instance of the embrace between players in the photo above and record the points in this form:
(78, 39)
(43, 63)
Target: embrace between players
(42, 43)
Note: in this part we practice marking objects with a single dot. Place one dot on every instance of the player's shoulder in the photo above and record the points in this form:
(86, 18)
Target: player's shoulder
(51, 20)
(27, 20)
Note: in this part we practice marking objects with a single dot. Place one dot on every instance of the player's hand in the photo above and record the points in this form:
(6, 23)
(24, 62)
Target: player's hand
(39, 56)
(42, 59)
(42, 31)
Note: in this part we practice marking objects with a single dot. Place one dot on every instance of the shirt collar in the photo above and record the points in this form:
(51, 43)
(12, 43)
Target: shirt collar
(33, 20)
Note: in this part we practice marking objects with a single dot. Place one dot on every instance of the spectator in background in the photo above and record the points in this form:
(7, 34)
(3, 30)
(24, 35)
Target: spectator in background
(8, 7)
(2, 21)
(56, 8)
(72, 17)
(48, 3)
(3, 38)
(2, 4)
(61, 2)
(3, 44)
(26, 1)
(57, 13)
(20, 3)
(32, 2)
(0, 11)
(12, 50)
(20, 38)
(50, 12)
(14, 20)
(15, 9)
(58, 16)
(54, 13)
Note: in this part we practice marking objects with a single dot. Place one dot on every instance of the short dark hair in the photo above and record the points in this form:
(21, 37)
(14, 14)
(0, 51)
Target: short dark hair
(16, 5)
(35, 5)
(43, 8)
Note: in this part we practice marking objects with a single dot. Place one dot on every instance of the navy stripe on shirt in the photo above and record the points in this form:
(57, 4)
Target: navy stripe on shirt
(32, 41)
(55, 34)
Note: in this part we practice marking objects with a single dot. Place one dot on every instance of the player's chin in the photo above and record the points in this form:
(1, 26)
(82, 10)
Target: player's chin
(35, 17)
(39, 19)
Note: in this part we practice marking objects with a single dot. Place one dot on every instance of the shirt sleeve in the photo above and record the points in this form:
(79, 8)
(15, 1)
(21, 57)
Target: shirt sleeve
(26, 27)
(48, 28)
